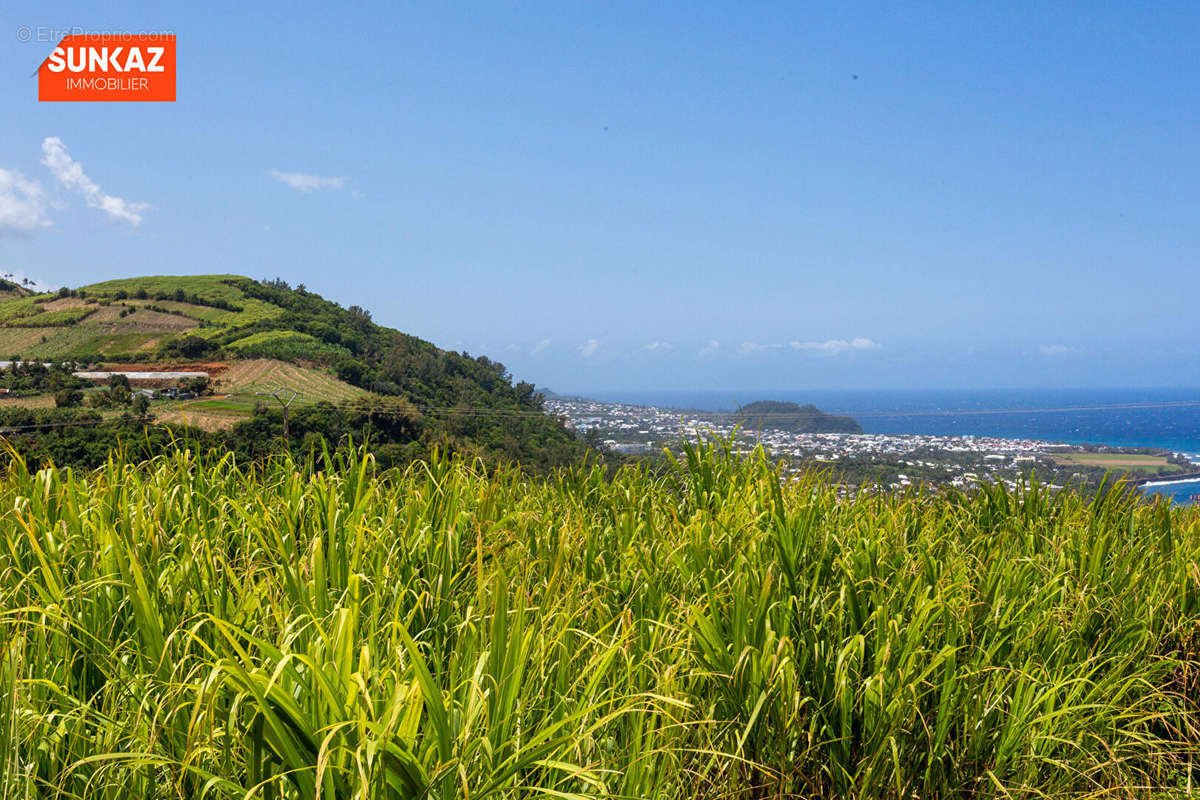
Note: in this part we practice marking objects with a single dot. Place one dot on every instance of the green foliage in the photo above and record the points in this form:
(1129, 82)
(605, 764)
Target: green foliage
(249, 311)
(34, 376)
(11, 310)
(396, 432)
(189, 347)
(52, 319)
(212, 290)
(68, 398)
(286, 346)
(200, 627)
(118, 393)
(198, 385)
(19, 417)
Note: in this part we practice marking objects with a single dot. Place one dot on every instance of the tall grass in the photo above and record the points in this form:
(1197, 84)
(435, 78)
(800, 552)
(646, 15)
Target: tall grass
(192, 627)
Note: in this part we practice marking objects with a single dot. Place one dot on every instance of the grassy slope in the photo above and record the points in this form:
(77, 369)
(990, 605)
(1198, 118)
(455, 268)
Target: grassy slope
(265, 374)
(439, 633)
(246, 382)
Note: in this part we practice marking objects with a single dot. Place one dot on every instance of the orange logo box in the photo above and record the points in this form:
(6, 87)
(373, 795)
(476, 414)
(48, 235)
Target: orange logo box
(109, 67)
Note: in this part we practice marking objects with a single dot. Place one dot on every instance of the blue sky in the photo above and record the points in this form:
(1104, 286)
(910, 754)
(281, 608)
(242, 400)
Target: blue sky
(684, 196)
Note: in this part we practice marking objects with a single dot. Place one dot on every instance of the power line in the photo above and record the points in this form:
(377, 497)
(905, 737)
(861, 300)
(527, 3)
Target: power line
(365, 407)
(72, 423)
(286, 397)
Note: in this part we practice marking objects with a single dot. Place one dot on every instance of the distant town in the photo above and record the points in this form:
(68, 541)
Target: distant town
(874, 460)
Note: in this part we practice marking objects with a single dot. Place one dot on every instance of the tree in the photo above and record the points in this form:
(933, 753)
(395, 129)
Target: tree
(190, 347)
(197, 385)
(593, 439)
(359, 317)
(68, 398)
(351, 371)
(119, 393)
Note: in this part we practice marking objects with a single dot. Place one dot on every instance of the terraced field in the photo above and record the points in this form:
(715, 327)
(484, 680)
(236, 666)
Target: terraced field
(266, 374)
(79, 341)
(273, 338)
(253, 310)
(25, 342)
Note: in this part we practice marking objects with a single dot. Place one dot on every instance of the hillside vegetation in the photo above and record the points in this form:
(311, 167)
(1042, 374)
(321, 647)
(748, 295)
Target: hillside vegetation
(185, 628)
(407, 394)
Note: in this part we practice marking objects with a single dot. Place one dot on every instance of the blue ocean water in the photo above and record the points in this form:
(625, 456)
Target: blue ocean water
(1165, 418)
(1162, 418)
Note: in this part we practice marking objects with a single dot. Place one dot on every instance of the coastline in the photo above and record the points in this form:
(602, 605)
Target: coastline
(1190, 477)
(1123, 417)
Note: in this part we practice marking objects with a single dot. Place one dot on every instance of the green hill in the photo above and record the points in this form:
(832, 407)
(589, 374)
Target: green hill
(795, 418)
(404, 391)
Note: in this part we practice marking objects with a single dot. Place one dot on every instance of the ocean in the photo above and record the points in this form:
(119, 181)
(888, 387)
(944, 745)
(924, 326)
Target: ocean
(1181, 492)
(1163, 418)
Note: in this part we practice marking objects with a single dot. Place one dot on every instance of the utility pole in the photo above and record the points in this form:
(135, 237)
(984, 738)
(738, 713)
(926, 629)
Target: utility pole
(285, 397)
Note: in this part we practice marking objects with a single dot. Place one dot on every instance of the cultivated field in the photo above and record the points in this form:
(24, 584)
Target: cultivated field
(183, 630)
(1115, 460)
(265, 374)
(202, 415)
(28, 401)
(243, 384)
(110, 320)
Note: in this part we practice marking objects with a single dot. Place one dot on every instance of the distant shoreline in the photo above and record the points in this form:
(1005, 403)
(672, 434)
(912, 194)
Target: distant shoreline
(1157, 481)
(1163, 418)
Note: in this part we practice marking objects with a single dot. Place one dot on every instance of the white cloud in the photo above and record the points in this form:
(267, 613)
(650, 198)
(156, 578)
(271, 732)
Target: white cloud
(835, 347)
(589, 348)
(22, 204)
(539, 347)
(1058, 350)
(659, 346)
(710, 348)
(750, 348)
(307, 183)
(70, 174)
